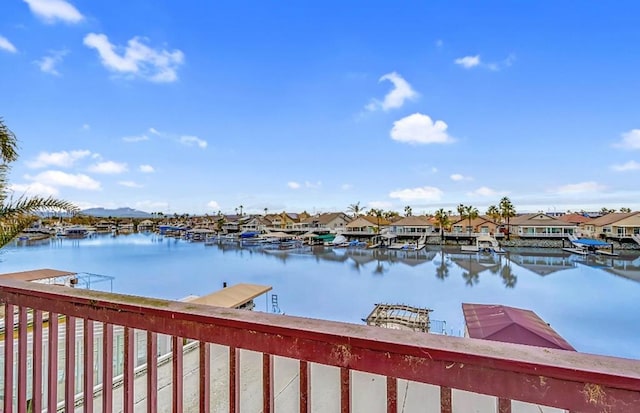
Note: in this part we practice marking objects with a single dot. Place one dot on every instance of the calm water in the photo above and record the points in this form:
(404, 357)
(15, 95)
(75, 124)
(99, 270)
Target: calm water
(593, 304)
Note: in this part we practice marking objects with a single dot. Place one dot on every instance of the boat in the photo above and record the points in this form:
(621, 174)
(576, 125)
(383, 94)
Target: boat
(484, 243)
(588, 246)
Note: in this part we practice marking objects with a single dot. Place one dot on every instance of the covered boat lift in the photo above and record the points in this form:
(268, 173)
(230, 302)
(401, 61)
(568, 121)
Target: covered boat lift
(399, 316)
(510, 325)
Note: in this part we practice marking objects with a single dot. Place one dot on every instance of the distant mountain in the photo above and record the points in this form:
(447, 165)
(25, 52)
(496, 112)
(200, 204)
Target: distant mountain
(116, 213)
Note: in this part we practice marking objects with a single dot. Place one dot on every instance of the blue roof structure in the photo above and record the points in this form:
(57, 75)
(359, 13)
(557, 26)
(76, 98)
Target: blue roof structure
(591, 242)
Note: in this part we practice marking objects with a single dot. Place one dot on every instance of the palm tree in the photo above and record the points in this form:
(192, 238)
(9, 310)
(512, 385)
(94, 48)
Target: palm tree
(442, 218)
(470, 213)
(356, 209)
(240, 207)
(16, 215)
(460, 208)
(378, 213)
(507, 210)
(408, 211)
(494, 213)
(265, 211)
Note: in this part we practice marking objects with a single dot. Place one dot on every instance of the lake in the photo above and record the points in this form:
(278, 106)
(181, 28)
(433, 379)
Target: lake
(593, 302)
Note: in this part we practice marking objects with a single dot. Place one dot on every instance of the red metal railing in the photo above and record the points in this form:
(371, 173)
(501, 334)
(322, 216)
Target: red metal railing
(567, 380)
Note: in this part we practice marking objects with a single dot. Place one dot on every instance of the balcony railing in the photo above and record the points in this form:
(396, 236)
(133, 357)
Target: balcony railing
(235, 360)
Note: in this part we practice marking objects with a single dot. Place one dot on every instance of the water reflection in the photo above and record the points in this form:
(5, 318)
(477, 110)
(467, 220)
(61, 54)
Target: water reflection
(507, 266)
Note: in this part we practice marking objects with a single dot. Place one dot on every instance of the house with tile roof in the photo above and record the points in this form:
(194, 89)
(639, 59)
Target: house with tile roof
(332, 221)
(541, 225)
(479, 225)
(366, 225)
(616, 225)
(412, 226)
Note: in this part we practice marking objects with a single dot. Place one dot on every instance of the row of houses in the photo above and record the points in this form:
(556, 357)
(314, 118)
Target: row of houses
(538, 225)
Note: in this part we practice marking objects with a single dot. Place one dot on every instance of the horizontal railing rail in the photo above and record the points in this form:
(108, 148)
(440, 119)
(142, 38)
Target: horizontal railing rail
(556, 378)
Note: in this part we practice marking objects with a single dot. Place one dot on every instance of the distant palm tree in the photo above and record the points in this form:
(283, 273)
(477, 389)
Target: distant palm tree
(442, 218)
(470, 213)
(356, 209)
(507, 211)
(16, 215)
(460, 208)
(494, 213)
(408, 211)
(378, 213)
(241, 209)
(265, 211)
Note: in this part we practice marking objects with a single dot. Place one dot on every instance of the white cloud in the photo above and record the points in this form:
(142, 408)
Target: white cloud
(293, 185)
(131, 139)
(630, 140)
(86, 126)
(147, 169)
(193, 140)
(48, 63)
(61, 159)
(108, 167)
(52, 10)
(137, 59)
(34, 189)
(628, 166)
(439, 43)
(213, 205)
(313, 185)
(425, 193)
(380, 205)
(130, 184)
(460, 177)
(468, 61)
(484, 192)
(401, 92)
(346, 187)
(6, 45)
(420, 129)
(155, 131)
(59, 178)
(581, 187)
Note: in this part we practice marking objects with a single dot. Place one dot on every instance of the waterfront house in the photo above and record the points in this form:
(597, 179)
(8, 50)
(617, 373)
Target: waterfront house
(331, 222)
(412, 226)
(541, 225)
(284, 220)
(366, 225)
(146, 225)
(480, 224)
(255, 223)
(616, 225)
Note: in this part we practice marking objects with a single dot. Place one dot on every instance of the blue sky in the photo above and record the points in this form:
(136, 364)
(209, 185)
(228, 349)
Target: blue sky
(195, 107)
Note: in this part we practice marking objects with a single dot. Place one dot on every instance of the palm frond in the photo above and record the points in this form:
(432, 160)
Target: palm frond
(8, 144)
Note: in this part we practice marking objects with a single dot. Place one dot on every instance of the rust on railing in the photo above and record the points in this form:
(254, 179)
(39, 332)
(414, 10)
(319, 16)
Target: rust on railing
(567, 380)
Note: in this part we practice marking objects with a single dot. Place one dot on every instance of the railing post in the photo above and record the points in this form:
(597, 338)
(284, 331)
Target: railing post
(8, 357)
(177, 351)
(345, 390)
(70, 363)
(88, 366)
(445, 400)
(152, 372)
(205, 377)
(305, 387)
(128, 396)
(36, 386)
(107, 367)
(22, 359)
(234, 380)
(52, 379)
(392, 395)
(267, 383)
